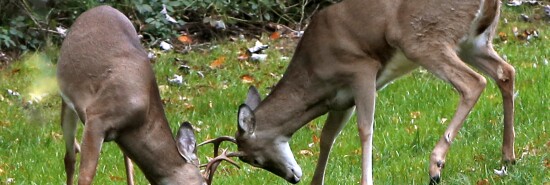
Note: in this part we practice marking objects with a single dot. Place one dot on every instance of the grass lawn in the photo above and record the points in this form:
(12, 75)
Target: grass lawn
(411, 115)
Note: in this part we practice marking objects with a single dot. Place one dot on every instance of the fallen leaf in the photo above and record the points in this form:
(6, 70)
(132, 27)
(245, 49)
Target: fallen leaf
(116, 178)
(244, 55)
(247, 79)
(479, 157)
(185, 39)
(503, 36)
(443, 120)
(547, 163)
(218, 62)
(275, 35)
(15, 71)
(483, 182)
(164, 88)
(306, 153)
(415, 114)
(411, 129)
(188, 106)
(5, 123)
(316, 139)
(56, 136)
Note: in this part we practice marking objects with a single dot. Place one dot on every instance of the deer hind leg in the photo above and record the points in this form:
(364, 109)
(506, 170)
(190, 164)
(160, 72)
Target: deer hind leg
(487, 60)
(92, 140)
(333, 125)
(69, 120)
(446, 65)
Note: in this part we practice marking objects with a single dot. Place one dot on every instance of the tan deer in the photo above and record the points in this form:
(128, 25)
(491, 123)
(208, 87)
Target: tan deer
(356, 47)
(107, 82)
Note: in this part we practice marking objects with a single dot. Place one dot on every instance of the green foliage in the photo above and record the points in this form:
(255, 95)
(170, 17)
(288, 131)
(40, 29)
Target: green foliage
(30, 24)
(158, 27)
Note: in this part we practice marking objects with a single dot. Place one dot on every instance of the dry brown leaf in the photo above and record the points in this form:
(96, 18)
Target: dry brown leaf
(185, 39)
(188, 106)
(4, 123)
(503, 37)
(483, 182)
(306, 153)
(218, 62)
(411, 129)
(479, 157)
(56, 136)
(116, 178)
(275, 35)
(316, 139)
(415, 114)
(243, 54)
(15, 71)
(247, 79)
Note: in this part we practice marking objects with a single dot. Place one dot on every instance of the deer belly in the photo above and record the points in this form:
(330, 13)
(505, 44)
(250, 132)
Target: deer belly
(396, 67)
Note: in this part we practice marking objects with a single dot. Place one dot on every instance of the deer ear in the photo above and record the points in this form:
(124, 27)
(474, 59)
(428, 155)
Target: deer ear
(247, 122)
(253, 98)
(187, 144)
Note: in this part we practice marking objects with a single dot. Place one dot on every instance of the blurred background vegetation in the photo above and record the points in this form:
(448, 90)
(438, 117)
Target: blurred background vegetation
(31, 25)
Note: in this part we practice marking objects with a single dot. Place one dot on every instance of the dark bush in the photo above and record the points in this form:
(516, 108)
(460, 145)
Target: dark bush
(33, 24)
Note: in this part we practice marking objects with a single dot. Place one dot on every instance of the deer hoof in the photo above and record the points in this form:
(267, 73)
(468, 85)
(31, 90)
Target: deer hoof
(509, 161)
(435, 180)
(440, 164)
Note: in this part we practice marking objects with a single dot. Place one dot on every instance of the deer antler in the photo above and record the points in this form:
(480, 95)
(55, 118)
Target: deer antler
(218, 141)
(212, 165)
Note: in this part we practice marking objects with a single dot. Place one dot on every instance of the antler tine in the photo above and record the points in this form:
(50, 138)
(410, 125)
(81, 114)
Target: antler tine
(213, 164)
(218, 141)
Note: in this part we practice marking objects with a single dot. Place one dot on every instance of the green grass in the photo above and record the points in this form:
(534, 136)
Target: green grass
(31, 148)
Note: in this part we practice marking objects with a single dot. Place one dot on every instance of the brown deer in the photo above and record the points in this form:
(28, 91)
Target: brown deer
(107, 82)
(354, 48)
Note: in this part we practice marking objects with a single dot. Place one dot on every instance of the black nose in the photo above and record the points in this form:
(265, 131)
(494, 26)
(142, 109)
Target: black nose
(294, 179)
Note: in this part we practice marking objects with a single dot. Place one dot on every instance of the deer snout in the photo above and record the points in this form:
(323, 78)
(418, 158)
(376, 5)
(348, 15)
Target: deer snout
(297, 175)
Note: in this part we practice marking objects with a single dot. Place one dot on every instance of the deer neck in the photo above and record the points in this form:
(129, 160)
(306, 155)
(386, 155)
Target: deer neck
(297, 99)
(153, 138)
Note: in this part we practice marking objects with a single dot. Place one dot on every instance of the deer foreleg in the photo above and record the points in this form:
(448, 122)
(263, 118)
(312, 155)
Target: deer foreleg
(364, 90)
(333, 125)
(129, 170)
